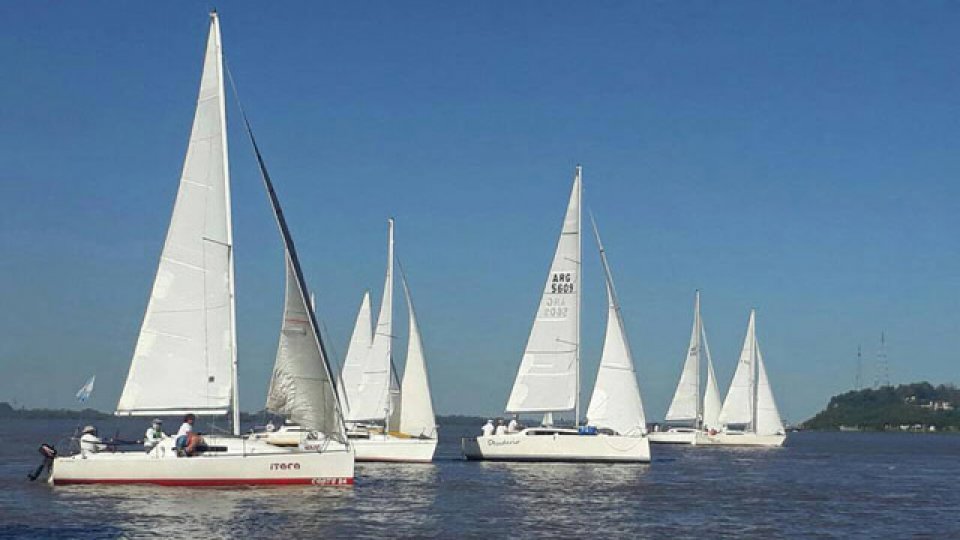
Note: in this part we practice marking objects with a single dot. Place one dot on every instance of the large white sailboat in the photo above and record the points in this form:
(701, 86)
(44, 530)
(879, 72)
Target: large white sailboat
(548, 380)
(387, 420)
(688, 413)
(749, 416)
(185, 359)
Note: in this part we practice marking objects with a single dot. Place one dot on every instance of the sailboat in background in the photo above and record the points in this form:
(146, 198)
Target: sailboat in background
(688, 413)
(749, 416)
(387, 419)
(185, 359)
(548, 380)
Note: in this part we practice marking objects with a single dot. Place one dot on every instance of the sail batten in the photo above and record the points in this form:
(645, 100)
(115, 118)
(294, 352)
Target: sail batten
(548, 377)
(185, 357)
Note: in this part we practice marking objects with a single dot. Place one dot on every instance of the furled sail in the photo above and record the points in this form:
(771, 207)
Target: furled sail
(185, 355)
(370, 396)
(685, 406)
(738, 406)
(615, 402)
(357, 351)
(416, 406)
(548, 378)
(768, 417)
(302, 387)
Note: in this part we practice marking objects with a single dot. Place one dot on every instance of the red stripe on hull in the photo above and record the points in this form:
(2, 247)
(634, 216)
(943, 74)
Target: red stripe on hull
(210, 482)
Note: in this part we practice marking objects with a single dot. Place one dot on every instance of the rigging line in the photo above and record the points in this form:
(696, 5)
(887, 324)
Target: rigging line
(291, 250)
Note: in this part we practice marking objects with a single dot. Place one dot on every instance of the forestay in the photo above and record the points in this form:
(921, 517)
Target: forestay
(738, 406)
(416, 406)
(615, 402)
(185, 353)
(548, 376)
(369, 397)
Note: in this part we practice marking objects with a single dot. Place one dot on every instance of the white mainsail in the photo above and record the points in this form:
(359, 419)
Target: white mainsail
(711, 394)
(738, 406)
(357, 350)
(370, 397)
(615, 402)
(685, 406)
(416, 406)
(548, 379)
(768, 417)
(185, 357)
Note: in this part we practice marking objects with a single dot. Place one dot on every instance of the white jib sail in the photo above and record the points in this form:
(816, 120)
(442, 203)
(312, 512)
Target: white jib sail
(416, 406)
(711, 394)
(685, 406)
(300, 388)
(738, 406)
(768, 417)
(615, 402)
(370, 398)
(185, 354)
(548, 378)
(357, 351)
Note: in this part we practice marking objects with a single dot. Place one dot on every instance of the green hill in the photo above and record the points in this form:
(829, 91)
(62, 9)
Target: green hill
(889, 408)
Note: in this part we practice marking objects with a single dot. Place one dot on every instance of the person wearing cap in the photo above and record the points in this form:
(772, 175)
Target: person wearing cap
(89, 442)
(513, 426)
(487, 428)
(154, 435)
(501, 427)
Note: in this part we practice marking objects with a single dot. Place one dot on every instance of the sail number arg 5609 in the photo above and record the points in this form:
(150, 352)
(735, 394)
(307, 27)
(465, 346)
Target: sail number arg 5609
(562, 283)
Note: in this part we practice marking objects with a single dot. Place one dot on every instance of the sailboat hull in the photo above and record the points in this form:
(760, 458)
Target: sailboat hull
(394, 449)
(673, 436)
(739, 438)
(243, 462)
(557, 445)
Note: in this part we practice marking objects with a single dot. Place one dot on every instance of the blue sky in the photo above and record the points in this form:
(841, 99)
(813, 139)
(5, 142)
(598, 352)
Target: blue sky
(801, 158)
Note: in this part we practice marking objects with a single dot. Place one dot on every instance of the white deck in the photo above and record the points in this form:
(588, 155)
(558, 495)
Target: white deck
(557, 444)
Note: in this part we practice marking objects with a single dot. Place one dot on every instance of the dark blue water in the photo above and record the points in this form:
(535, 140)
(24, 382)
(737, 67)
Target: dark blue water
(822, 485)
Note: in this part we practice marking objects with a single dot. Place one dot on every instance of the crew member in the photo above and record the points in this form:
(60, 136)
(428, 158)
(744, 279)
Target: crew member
(89, 442)
(501, 428)
(186, 439)
(487, 428)
(513, 426)
(154, 435)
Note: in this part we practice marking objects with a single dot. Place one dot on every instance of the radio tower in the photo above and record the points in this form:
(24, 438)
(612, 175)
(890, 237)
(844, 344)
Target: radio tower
(883, 366)
(859, 382)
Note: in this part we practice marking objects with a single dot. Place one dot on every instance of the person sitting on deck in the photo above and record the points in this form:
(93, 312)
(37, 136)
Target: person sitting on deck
(89, 442)
(153, 435)
(487, 428)
(501, 428)
(513, 426)
(187, 439)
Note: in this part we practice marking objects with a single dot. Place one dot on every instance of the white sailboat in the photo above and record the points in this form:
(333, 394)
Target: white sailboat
(688, 413)
(185, 359)
(548, 380)
(749, 416)
(388, 420)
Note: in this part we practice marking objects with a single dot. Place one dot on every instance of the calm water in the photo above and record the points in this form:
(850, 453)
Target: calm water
(822, 485)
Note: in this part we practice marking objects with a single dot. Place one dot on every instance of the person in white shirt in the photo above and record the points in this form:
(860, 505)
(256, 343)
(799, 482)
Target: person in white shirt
(89, 442)
(501, 428)
(513, 426)
(154, 435)
(487, 428)
(186, 439)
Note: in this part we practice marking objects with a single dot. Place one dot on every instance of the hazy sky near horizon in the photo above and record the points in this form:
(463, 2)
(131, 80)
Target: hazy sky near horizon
(801, 158)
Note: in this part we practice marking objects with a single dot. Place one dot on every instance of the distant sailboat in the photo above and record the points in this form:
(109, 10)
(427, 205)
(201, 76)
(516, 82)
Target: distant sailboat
(548, 380)
(388, 419)
(749, 416)
(185, 359)
(688, 413)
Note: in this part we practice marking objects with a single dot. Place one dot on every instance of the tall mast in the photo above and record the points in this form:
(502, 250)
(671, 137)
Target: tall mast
(235, 383)
(859, 381)
(576, 420)
(699, 331)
